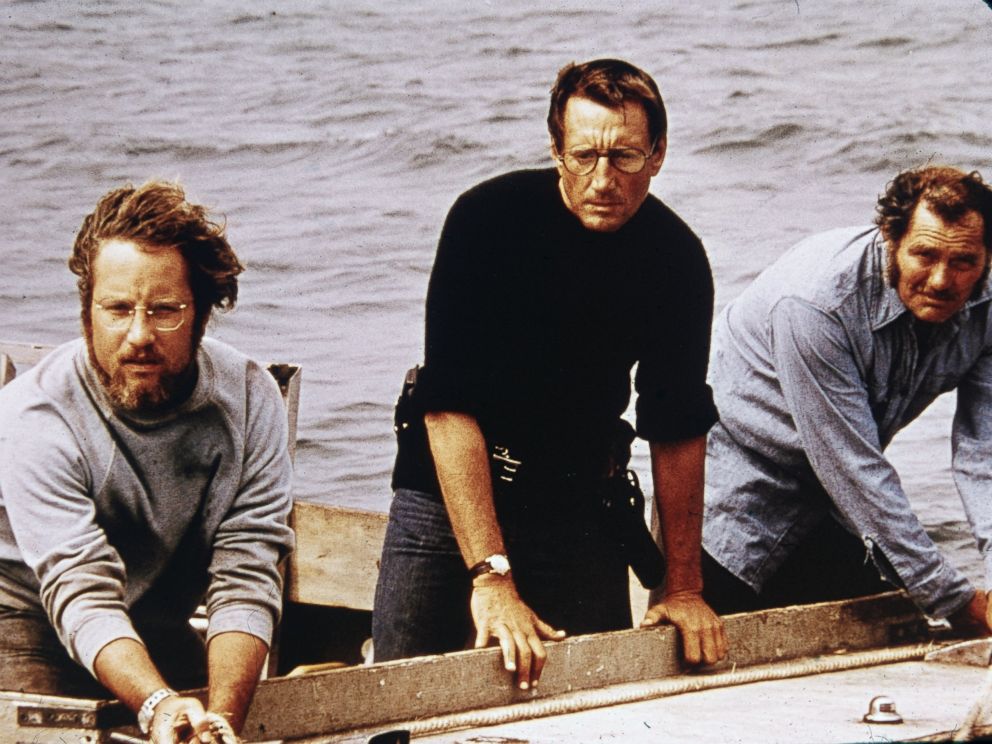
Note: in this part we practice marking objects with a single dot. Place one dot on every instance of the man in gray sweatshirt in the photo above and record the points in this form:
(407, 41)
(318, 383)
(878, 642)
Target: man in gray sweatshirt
(144, 470)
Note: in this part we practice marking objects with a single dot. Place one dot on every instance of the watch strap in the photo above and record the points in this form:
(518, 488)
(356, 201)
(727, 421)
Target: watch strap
(147, 710)
(488, 566)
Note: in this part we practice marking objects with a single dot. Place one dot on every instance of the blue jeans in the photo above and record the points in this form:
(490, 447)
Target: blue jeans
(566, 567)
(33, 659)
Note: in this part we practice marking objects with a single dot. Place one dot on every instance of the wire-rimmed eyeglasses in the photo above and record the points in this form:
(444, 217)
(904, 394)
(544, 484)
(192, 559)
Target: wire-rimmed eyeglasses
(581, 161)
(118, 315)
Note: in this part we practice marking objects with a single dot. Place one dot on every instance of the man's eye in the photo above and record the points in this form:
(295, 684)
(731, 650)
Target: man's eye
(165, 309)
(584, 156)
(118, 308)
(626, 156)
(964, 263)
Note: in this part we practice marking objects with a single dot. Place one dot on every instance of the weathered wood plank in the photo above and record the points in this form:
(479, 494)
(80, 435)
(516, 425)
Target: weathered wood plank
(337, 555)
(360, 697)
(22, 353)
(363, 697)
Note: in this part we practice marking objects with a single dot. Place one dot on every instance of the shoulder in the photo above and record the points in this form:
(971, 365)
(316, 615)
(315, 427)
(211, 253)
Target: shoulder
(47, 410)
(656, 215)
(230, 367)
(660, 234)
(522, 188)
(238, 382)
(54, 381)
(827, 269)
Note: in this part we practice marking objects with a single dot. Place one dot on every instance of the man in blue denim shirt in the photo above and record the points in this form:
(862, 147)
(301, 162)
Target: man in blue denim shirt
(835, 348)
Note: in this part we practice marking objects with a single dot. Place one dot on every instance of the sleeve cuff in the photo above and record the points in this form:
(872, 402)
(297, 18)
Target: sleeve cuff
(253, 619)
(86, 641)
(680, 418)
(943, 594)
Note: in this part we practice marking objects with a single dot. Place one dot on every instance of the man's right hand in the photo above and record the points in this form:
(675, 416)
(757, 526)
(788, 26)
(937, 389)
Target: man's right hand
(183, 720)
(500, 614)
(975, 618)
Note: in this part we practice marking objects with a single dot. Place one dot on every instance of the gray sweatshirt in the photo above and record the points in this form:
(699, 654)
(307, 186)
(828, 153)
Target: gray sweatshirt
(103, 514)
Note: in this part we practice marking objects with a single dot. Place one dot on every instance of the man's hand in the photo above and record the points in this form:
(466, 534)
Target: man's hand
(975, 618)
(703, 637)
(182, 720)
(500, 614)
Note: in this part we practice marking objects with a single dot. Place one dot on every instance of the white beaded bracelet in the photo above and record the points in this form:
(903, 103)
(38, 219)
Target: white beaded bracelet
(147, 710)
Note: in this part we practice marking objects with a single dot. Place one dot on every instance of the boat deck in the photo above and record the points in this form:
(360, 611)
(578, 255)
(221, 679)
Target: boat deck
(932, 698)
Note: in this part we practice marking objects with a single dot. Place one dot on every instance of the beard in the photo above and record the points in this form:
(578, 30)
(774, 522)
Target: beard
(144, 395)
(147, 396)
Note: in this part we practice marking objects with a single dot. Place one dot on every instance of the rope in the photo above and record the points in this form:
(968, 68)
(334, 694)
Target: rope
(632, 693)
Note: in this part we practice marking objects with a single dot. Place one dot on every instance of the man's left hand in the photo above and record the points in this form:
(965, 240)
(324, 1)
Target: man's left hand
(703, 637)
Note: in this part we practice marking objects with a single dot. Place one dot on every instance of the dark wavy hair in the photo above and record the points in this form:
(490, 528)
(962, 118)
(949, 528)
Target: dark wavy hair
(609, 82)
(948, 192)
(157, 215)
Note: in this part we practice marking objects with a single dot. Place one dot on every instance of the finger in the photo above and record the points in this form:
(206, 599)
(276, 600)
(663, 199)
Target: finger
(167, 728)
(201, 726)
(524, 659)
(711, 646)
(654, 616)
(540, 658)
(546, 631)
(691, 646)
(509, 652)
(482, 637)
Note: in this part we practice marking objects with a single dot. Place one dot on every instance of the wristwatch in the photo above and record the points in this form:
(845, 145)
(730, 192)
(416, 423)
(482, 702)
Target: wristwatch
(497, 564)
(147, 710)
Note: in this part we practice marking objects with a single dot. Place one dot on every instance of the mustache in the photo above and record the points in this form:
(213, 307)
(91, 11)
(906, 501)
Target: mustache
(941, 295)
(141, 359)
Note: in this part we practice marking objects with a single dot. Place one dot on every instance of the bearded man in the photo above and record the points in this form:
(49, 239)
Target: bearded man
(143, 470)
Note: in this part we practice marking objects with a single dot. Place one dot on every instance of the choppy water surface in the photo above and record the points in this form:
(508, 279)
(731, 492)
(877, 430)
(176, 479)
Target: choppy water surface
(334, 136)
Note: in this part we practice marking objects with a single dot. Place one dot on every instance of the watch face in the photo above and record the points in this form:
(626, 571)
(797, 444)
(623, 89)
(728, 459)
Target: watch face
(500, 564)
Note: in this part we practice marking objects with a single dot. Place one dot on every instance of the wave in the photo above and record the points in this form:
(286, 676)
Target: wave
(770, 136)
(886, 42)
(441, 151)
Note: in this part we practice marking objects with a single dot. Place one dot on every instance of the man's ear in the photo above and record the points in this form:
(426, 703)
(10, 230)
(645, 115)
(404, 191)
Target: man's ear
(555, 155)
(658, 156)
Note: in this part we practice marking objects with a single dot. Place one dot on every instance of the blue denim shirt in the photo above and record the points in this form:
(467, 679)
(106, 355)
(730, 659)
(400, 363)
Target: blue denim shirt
(815, 367)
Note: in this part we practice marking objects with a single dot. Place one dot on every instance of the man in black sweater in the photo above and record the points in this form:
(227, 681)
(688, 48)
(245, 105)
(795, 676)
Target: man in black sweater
(548, 287)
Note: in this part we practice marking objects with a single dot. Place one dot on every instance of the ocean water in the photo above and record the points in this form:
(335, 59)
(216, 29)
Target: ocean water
(335, 135)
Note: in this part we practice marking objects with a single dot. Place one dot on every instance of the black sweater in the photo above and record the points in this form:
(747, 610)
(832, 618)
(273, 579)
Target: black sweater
(534, 324)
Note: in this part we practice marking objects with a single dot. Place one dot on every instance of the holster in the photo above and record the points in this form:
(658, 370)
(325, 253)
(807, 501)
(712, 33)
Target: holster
(623, 505)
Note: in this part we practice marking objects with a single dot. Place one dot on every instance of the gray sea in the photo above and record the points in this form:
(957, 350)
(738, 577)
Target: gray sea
(335, 135)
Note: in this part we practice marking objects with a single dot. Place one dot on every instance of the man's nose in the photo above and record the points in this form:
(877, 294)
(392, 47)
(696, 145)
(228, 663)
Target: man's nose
(140, 332)
(940, 277)
(602, 175)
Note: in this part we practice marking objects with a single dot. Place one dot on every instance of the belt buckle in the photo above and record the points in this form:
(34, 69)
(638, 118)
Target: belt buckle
(507, 465)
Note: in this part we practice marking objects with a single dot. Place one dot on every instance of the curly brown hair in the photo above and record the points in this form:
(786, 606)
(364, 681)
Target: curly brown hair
(609, 82)
(948, 192)
(157, 215)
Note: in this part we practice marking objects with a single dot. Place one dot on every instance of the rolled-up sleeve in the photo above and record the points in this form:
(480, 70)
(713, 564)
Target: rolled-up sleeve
(458, 304)
(674, 401)
(829, 403)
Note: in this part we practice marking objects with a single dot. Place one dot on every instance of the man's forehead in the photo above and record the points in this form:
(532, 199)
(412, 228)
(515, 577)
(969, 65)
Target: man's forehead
(965, 233)
(121, 264)
(584, 115)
